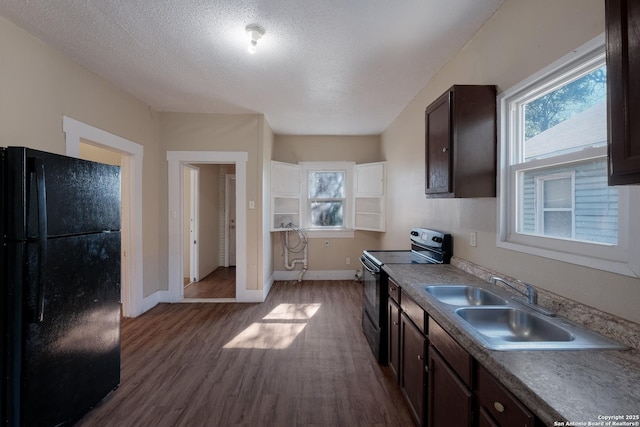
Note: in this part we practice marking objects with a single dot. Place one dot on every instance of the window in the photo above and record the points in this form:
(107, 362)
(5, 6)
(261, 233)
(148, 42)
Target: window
(554, 199)
(326, 198)
(327, 204)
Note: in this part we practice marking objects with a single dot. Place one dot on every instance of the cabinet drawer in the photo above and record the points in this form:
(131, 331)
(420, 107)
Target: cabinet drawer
(457, 357)
(503, 407)
(413, 311)
(394, 291)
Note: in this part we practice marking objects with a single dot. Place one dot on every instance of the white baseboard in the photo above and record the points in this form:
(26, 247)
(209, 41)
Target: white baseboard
(316, 275)
(154, 299)
(266, 286)
(256, 295)
(250, 295)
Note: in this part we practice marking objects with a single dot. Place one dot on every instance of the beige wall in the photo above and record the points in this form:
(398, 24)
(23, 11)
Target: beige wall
(295, 148)
(359, 149)
(216, 132)
(38, 86)
(266, 148)
(520, 39)
(101, 155)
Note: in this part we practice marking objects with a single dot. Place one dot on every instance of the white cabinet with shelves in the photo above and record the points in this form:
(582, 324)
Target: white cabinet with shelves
(369, 195)
(368, 200)
(285, 195)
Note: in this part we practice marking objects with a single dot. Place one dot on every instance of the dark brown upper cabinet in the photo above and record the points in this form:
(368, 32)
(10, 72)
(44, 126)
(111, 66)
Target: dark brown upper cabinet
(623, 90)
(460, 135)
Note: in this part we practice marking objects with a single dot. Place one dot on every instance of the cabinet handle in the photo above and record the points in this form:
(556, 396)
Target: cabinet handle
(444, 149)
(419, 357)
(499, 406)
(395, 323)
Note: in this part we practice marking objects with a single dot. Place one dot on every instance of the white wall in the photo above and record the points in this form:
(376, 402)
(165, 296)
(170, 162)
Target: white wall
(520, 39)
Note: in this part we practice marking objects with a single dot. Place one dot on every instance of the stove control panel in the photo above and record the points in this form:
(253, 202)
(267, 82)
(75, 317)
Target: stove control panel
(424, 236)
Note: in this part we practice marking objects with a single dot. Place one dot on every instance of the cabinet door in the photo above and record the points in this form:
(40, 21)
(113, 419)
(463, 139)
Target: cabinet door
(394, 338)
(369, 179)
(622, 19)
(369, 196)
(412, 372)
(438, 146)
(450, 401)
(485, 420)
(500, 404)
(285, 179)
(286, 187)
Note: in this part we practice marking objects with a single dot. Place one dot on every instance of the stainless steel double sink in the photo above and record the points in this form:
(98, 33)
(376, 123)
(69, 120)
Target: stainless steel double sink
(501, 324)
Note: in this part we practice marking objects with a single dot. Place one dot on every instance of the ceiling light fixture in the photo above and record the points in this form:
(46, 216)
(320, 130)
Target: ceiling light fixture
(255, 33)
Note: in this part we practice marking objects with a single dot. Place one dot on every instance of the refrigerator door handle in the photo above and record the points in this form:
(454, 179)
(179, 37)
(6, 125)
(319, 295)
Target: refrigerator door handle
(41, 189)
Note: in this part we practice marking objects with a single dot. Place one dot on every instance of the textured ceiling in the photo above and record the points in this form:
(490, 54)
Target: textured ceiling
(324, 67)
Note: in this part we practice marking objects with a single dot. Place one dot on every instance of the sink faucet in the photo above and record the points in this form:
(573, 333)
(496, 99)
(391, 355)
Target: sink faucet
(530, 296)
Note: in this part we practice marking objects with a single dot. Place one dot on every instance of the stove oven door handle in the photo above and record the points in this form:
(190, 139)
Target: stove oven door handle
(370, 269)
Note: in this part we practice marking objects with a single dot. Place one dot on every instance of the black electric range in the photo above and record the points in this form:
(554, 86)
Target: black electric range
(427, 247)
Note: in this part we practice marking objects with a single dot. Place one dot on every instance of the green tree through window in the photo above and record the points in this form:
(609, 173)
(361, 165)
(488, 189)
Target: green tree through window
(565, 102)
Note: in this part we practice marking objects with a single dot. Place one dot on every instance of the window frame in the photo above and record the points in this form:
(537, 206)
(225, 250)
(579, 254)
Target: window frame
(347, 229)
(623, 257)
(311, 200)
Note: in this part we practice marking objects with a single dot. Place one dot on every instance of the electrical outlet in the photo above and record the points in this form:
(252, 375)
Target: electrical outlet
(348, 261)
(473, 239)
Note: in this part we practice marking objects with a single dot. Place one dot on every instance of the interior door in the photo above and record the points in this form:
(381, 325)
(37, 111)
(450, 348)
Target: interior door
(230, 204)
(194, 226)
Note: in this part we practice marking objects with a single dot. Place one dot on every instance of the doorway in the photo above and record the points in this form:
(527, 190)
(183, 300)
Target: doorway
(176, 159)
(131, 155)
(209, 268)
(209, 232)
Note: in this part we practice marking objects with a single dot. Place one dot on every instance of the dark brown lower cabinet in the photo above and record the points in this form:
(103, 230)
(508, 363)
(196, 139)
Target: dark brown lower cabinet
(394, 338)
(412, 373)
(485, 420)
(450, 401)
(499, 406)
(454, 390)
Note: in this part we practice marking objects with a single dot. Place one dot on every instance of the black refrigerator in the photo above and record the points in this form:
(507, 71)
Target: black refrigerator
(60, 286)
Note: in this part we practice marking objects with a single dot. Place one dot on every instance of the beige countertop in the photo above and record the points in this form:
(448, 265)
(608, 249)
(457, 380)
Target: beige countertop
(577, 386)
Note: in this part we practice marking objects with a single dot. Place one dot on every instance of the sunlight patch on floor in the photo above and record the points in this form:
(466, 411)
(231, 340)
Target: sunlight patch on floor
(267, 336)
(277, 330)
(293, 312)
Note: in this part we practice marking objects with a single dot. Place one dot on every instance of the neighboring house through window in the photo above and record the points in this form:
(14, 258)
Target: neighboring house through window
(554, 198)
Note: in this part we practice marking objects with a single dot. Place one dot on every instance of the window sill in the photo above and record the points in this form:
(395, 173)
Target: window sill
(612, 266)
(332, 234)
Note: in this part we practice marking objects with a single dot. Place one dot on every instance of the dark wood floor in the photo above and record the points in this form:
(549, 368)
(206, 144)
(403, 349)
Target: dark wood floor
(298, 359)
(221, 283)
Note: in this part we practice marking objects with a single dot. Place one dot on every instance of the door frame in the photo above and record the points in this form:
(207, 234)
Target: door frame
(132, 291)
(194, 229)
(175, 160)
(227, 235)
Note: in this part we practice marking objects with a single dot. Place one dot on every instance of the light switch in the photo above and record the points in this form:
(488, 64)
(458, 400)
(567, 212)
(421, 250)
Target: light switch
(252, 204)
